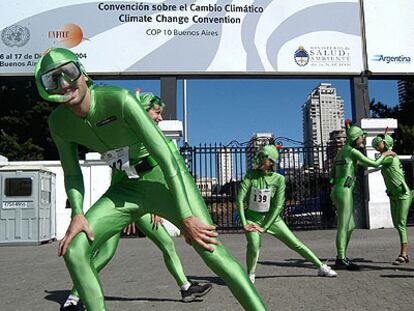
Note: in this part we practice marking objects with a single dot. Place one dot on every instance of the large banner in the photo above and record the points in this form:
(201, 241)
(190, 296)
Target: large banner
(185, 37)
(390, 35)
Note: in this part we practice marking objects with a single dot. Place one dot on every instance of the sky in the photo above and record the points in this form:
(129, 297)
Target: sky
(223, 110)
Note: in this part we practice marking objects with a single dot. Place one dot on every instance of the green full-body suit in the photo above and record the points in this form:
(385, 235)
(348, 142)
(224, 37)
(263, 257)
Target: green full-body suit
(159, 236)
(120, 129)
(342, 177)
(397, 189)
(270, 220)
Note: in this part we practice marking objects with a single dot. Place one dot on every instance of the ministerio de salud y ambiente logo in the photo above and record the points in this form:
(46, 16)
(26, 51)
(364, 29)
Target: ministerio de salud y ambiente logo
(301, 56)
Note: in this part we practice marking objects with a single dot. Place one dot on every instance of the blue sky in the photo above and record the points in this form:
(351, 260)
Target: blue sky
(225, 110)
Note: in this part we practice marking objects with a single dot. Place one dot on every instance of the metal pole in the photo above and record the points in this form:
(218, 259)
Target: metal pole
(185, 111)
(169, 95)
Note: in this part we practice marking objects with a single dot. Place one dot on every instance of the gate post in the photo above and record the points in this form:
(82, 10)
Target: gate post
(377, 201)
(360, 110)
(169, 96)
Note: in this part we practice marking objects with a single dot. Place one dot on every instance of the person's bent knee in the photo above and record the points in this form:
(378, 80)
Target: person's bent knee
(75, 253)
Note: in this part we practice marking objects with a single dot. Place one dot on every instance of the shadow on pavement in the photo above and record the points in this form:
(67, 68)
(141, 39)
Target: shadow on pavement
(288, 263)
(116, 298)
(361, 263)
(396, 276)
(58, 296)
(286, 276)
(207, 279)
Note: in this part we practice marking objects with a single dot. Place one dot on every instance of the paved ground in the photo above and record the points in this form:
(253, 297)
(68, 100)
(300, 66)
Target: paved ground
(34, 278)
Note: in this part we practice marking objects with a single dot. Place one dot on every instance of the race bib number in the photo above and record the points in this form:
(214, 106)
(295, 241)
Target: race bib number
(260, 200)
(119, 159)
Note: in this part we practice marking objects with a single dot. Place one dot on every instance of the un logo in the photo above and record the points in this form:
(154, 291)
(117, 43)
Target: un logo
(15, 35)
(301, 56)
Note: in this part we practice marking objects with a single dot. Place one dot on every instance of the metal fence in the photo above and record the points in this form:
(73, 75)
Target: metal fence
(218, 171)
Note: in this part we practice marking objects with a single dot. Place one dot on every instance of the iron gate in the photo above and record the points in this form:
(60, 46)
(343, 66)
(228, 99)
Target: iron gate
(218, 170)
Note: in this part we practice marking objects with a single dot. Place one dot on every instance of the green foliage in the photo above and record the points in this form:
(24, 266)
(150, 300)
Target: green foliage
(380, 110)
(404, 113)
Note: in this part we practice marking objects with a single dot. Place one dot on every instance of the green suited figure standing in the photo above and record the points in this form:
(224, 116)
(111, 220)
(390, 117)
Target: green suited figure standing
(397, 190)
(342, 177)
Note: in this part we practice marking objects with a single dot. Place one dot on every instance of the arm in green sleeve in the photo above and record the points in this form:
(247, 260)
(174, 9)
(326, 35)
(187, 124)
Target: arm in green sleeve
(155, 142)
(357, 155)
(278, 201)
(388, 161)
(241, 195)
(68, 153)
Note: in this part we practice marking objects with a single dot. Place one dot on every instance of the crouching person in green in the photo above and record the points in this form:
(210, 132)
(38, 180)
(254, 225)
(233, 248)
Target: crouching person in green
(264, 189)
(342, 177)
(398, 192)
(151, 226)
(111, 121)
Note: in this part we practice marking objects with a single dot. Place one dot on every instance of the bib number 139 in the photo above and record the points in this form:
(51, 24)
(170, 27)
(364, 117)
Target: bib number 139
(259, 198)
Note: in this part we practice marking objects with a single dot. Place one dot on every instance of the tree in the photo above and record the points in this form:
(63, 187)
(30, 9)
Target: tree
(380, 110)
(24, 134)
(404, 134)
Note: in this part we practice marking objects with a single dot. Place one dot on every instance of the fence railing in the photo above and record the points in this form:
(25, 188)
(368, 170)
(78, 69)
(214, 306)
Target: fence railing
(218, 171)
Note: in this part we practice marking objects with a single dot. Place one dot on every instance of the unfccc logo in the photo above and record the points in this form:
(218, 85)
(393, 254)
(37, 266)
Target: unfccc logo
(69, 35)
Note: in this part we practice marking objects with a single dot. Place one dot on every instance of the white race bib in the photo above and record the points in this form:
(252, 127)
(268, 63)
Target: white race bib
(119, 159)
(260, 200)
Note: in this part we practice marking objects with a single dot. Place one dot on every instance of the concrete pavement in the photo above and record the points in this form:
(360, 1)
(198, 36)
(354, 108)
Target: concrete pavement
(34, 278)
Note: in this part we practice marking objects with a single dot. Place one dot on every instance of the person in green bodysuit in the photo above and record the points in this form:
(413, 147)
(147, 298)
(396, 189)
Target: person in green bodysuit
(265, 191)
(110, 120)
(151, 226)
(398, 192)
(342, 177)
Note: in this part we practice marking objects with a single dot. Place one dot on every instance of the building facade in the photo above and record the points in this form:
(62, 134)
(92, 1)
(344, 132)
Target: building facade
(224, 162)
(323, 113)
(255, 142)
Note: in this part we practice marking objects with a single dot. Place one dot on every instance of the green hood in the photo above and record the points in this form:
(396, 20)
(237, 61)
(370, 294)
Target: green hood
(388, 141)
(353, 133)
(148, 100)
(53, 58)
(269, 152)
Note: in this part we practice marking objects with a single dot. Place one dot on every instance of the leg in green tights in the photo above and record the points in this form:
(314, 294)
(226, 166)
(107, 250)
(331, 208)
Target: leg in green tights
(103, 256)
(125, 202)
(343, 199)
(280, 231)
(159, 236)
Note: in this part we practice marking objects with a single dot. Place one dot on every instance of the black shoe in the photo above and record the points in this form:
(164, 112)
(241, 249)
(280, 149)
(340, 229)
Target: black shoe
(401, 259)
(345, 264)
(194, 291)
